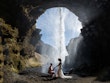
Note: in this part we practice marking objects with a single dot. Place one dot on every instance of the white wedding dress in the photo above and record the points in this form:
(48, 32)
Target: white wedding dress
(60, 72)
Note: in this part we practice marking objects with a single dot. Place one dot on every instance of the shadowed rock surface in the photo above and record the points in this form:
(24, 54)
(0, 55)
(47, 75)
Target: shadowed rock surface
(94, 15)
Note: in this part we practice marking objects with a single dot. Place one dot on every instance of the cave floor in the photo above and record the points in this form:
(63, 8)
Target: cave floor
(33, 76)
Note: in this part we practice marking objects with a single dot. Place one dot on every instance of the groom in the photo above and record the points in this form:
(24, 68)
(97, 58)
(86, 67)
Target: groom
(51, 70)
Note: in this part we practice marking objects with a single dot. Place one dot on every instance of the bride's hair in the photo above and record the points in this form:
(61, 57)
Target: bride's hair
(59, 59)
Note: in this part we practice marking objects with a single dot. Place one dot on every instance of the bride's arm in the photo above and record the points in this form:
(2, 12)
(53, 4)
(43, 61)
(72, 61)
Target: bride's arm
(57, 66)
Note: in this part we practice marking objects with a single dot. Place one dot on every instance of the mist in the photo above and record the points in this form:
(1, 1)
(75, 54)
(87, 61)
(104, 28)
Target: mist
(72, 49)
(59, 25)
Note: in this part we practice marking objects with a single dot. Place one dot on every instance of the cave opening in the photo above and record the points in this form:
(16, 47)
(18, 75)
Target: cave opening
(59, 27)
(93, 52)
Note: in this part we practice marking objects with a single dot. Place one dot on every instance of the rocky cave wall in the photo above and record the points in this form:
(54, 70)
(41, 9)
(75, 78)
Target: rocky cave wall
(93, 14)
(93, 52)
(23, 13)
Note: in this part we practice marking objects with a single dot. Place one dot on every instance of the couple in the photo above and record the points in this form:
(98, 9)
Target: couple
(59, 72)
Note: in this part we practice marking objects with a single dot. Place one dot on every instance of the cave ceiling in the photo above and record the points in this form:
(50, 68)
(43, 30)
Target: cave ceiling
(23, 13)
(86, 10)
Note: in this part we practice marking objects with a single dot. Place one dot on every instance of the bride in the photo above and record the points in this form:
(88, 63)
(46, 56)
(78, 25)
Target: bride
(60, 71)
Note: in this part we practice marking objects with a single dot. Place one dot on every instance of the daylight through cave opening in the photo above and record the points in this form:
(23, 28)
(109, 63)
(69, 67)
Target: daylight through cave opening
(58, 27)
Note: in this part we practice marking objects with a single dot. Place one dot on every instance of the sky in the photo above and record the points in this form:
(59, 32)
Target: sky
(50, 20)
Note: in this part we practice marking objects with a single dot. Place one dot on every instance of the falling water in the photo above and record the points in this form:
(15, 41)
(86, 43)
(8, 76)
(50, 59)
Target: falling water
(62, 52)
(60, 25)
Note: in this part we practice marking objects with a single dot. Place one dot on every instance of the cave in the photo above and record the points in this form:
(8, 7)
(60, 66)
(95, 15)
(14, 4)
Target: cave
(93, 53)
(58, 27)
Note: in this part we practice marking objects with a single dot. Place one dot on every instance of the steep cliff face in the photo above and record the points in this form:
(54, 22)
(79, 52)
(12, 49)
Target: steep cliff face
(46, 50)
(35, 37)
(72, 49)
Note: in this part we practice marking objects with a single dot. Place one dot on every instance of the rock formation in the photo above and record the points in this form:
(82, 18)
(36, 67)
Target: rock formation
(72, 49)
(10, 47)
(94, 15)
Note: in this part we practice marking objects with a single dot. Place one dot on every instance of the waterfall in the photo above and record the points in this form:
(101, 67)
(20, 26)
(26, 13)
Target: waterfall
(59, 39)
(60, 25)
(62, 52)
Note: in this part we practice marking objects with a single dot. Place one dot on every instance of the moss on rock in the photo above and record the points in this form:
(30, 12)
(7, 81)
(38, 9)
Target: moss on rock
(10, 47)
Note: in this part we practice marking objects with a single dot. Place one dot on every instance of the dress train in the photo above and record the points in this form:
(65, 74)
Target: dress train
(61, 74)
